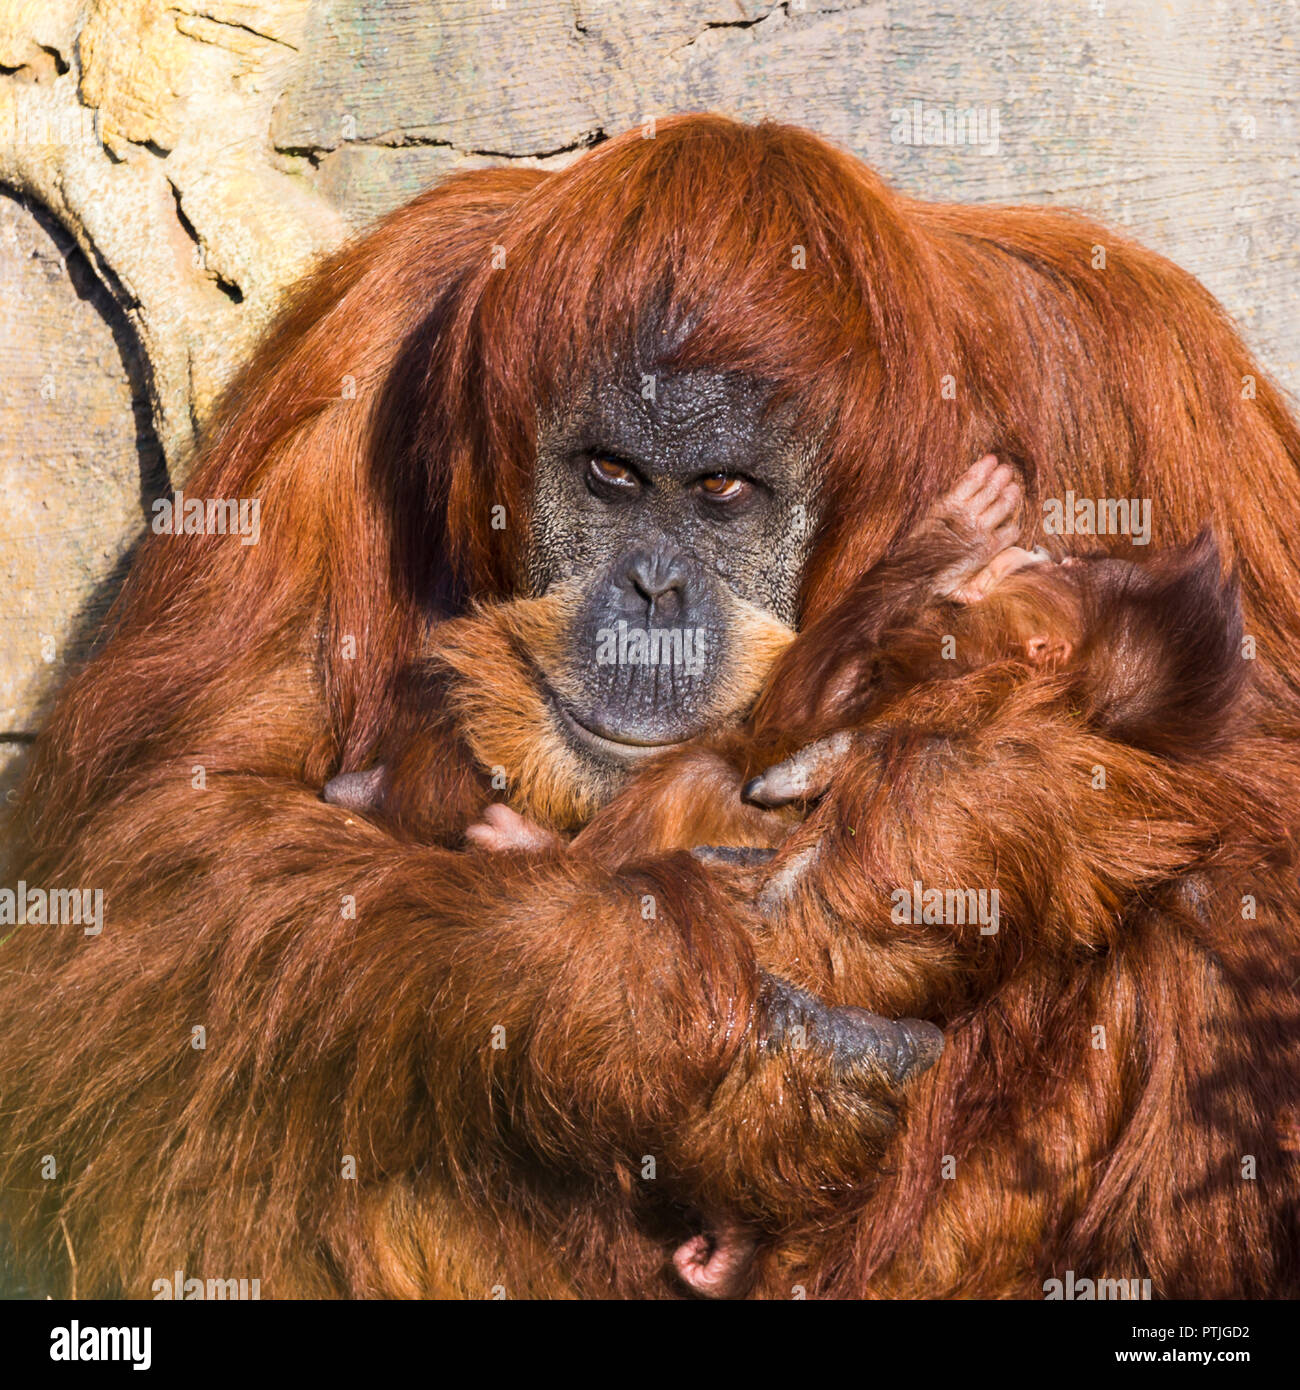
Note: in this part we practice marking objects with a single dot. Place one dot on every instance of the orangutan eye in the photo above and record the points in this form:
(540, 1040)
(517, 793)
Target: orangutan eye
(606, 474)
(723, 487)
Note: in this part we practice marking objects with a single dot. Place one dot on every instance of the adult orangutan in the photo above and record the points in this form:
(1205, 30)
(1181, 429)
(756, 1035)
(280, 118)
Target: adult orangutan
(959, 678)
(709, 378)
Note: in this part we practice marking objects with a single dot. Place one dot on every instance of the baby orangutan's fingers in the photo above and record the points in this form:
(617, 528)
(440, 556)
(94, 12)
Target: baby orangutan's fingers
(986, 496)
(801, 777)
(982, 514)
(715, 1263)
(998, 505)
(502, 829)
(358, 791)
(973, 479)
(1005, 562)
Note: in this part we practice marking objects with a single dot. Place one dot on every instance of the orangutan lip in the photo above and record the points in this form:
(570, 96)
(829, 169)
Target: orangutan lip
(621, 749)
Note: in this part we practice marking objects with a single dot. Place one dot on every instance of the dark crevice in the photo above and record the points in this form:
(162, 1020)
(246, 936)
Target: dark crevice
(60, 62)
(312, 153)
(247, 28)
(709, 24)
(227, 287)
(403, 141)
(101, 289)
(36, 70)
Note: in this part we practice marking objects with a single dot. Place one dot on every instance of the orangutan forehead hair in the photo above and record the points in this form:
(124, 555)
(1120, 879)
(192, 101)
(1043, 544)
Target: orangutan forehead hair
(712, 247)
(724, 242)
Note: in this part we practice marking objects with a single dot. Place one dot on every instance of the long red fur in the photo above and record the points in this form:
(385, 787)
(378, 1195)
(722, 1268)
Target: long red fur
(395, 405)
(1120, 1092)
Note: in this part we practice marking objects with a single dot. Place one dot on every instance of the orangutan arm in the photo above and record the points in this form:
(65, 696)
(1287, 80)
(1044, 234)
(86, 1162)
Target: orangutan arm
(825, 674)
(416, 1008)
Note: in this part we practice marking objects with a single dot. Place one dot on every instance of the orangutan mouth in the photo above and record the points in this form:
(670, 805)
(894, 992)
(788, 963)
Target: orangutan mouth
(623, 748)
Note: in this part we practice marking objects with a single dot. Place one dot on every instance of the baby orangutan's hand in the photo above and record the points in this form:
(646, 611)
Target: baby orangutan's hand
(985, 506)
(500, 829)
(983, 513)
(1005, 562)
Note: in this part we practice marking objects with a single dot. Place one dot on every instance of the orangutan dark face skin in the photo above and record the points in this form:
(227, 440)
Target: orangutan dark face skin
(670, 505)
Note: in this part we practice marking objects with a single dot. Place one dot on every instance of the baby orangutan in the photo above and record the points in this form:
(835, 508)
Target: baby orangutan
(913, 668)
(1141, 651)
(476, 671)
(1144, 655)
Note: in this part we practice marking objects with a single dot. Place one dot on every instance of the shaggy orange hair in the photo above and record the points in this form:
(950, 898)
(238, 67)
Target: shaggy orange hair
(396, 404)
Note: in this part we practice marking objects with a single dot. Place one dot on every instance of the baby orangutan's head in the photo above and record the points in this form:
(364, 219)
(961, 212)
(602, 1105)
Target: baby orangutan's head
(1152, 650)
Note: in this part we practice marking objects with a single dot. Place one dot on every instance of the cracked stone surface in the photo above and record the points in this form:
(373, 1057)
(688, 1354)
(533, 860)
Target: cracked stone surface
(176, 164)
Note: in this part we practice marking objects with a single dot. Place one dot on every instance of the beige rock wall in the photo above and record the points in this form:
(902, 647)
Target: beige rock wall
(172, 165)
